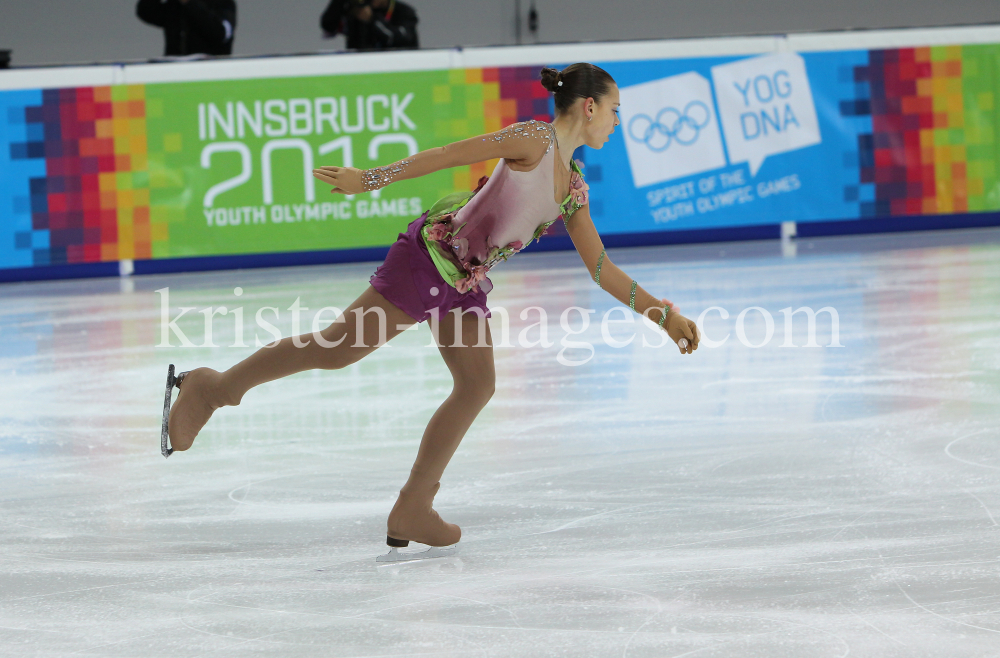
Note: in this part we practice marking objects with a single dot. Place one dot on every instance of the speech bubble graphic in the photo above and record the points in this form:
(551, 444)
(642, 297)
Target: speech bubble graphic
(670, 128)
(766, 107)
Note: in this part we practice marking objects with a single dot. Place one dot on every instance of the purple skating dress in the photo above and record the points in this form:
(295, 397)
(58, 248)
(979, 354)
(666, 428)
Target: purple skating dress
(441, 261)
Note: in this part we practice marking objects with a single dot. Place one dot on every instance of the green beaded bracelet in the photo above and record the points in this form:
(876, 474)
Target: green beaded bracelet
(666, 309)
(631, 296)
(597, 276)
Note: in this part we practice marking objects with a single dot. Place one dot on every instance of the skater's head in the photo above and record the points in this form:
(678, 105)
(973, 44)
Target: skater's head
(586, 95)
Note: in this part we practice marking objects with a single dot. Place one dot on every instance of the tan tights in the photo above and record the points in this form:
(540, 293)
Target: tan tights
(471, 368)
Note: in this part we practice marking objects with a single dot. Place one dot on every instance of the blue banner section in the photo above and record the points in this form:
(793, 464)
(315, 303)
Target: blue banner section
(17, 237)
(727, 142)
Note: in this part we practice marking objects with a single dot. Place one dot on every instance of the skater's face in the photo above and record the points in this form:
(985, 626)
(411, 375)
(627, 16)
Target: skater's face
(602, 117)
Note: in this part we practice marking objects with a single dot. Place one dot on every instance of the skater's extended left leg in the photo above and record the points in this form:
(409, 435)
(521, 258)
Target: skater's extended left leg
(370, 321)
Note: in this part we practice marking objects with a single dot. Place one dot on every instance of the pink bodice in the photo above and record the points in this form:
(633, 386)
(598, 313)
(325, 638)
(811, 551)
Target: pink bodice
(502, 217)
(508, 209)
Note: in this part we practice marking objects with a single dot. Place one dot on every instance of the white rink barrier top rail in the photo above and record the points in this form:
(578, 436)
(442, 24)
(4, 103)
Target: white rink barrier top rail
(424, 60)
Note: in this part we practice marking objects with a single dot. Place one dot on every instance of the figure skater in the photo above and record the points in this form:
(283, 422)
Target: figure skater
(439, 265)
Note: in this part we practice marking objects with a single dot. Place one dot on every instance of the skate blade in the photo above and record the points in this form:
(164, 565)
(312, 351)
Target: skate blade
(165, 449)
(435, 551)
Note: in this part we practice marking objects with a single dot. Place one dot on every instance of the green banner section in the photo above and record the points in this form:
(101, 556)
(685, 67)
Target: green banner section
(229, 163)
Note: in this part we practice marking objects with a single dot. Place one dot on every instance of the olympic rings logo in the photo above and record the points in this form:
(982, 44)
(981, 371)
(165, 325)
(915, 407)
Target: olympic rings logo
(670, 126)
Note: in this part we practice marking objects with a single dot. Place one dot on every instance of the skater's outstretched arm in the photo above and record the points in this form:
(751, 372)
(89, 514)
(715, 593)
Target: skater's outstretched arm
(523, 143)
(618, 284)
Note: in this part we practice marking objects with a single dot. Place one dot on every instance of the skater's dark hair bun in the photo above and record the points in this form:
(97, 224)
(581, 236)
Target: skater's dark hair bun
(580, 80)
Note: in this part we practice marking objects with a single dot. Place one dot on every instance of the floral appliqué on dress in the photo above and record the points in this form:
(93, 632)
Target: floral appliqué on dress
(444, 231)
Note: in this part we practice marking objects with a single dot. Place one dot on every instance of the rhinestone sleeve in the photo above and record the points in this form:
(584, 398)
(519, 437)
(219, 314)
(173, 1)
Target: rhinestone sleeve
(378, 177)
(526, 129)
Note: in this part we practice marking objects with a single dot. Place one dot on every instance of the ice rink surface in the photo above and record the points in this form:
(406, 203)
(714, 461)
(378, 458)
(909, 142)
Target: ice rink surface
(741, 502)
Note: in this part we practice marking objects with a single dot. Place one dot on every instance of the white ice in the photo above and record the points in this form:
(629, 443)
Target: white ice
(771, 502)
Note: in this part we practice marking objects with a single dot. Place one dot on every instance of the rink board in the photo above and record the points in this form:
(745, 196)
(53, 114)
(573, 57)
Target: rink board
(205, 165)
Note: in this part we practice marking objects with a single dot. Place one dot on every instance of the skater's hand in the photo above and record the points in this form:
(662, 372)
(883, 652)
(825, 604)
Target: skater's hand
(679, 327)
(345, 180)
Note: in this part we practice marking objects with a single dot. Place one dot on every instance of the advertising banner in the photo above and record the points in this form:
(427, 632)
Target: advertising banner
(726, 142)
(217, 168)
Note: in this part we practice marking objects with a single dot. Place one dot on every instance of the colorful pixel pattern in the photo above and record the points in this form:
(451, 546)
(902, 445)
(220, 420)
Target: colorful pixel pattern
(92, 204)
(931, 147)
(489, 99)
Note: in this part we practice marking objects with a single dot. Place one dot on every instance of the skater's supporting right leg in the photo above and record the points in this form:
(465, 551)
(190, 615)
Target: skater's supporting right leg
(474, 380)
(471, 364)
(339, 345)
